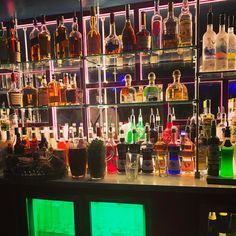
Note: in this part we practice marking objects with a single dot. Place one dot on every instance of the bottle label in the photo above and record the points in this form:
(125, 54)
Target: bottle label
(121, 165)
(16, 99)
(44, 45)
(213, 154)
(185, 31)
(34, 41)
(173, 164)
(75, 46)
(156, 34)
(221, 48)
(53, 99)
(29, 99)
(94, 44)
(147, 165)
(144, 42)
(209, 49)
(112, 46)
(43, 98)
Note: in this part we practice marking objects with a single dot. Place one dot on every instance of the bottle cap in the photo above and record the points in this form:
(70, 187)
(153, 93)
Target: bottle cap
(75, 19)
(61, 18)
(152, 76)
(222, 19)
(112, 18)
(231, 21)
(176, 73)
(207, 103)
(128, 78)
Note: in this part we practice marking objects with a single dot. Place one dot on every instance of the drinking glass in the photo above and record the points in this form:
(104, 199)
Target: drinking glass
(132, 165)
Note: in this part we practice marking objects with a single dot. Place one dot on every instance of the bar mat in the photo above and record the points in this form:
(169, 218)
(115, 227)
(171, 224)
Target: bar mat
(220, 180)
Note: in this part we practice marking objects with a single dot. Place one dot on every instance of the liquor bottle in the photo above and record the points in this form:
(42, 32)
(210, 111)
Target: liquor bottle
(220, 130)
(156, 27)
(63, 145)
(75, 40)
(18, 146)
(193, 126)
(167, 131)
(30, 95)
(111, 153)
(171, 29)
(207, 117)
(147, 152)
(134, 147)
(157, 118)
(222, 45)
(152, 92)
(73, 93)
(209, 45)
(3, 45)
(231, 44)
(160, 149)
(61, 40)
(53, 92)
(140, 127)
(202, 150)
(185, 25)
(139, 95)
(176, 90)
(227, 156)
(143, 37)
(127, 93)
(43, 145)
(52, 141)
(112, 42)
(63, 90)
(14, 51)
(93, 36)
(34, 42)
(132, 125)
(25, 140)
(43, 93)
(122, 149)
(173, 154)
(153, 131)
(44, 40)
(212, 225)
(128, 35)
(187, 153)
(15, 96)
(213, 153)
(33, 141)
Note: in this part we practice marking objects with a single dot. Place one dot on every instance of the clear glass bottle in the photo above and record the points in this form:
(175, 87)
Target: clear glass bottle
(220, 129)
(61, 40)
(176, 91)
(171, 29)
(30, 95)
(3, 45)
(44, 40)
(147, 153)
(43, 93)
(93, 36)
(202, 150)
(112, 42)
(173, 154)
(52, 141)
(140, 127)
(227, 156)
(75, 40)
(233, 127)
(127, 93)
(213, 154)
(14, 47)
(207, 117)
(185, 25)
(54, 92)
(128, 34)
(153, 131)
(15, 95)
(222, 45)
(156, 27)
(167, 131)
(231, 44)
(160, 149)
(34, 42)
(143, 37)
(153, 92)
(209, 45)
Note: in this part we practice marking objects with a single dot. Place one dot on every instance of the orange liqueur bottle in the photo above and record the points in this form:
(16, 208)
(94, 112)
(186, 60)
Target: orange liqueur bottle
(54, 92)
(34, 42)
(93, 36)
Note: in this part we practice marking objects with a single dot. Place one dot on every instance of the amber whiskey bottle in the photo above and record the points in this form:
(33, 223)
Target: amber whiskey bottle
(34, 42)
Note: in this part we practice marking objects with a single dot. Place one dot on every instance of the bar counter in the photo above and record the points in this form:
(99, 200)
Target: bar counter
(173, 205)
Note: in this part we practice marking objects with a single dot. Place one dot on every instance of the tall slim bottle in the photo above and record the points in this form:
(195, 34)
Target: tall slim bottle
(122, 149)
(61, 40)
(3, 45)
(128, 35)
(143, 36)
(227, 156)
(44, 40)
(213, 152)
(34, 42)
(140, 127)
(222, 45)
(112, 42)
(231, 44)
(93, 36)
(156, 27)
(185, 25)
(209, 45)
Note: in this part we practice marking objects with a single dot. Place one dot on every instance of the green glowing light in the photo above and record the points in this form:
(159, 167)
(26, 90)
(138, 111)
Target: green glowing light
(117, 219)
(51, 218)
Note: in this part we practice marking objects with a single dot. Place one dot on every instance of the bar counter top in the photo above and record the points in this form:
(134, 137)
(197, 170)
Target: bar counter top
(144, 183)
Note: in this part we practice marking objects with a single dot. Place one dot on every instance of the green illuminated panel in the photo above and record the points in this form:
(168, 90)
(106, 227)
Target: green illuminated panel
(51, 218)
(117, 219)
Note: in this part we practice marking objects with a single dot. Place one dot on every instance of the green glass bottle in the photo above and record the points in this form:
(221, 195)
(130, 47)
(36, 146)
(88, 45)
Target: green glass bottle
(140, 127)
(227, 156)
(132, 126)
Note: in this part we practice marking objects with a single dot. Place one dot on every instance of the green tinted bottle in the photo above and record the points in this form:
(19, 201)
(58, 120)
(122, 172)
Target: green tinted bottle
(227, 155)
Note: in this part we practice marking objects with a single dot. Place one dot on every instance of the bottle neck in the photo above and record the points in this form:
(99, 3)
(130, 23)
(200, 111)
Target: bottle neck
(173, 138)
(75, 26)
(231, 30)
(185, 7)
(112, 29)
(207, 110)
(210, 27)
(157, 9)
(93, 22)
(222, 28)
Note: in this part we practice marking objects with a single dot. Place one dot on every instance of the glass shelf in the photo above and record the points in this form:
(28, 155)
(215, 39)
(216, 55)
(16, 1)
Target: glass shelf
(46, 107)
(154, 56)
(220, 74)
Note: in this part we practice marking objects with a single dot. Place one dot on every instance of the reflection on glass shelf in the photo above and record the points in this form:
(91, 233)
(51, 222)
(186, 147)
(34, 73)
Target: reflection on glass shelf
(145, 57)
(141, 104)
(46, 107)
(217, 74)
